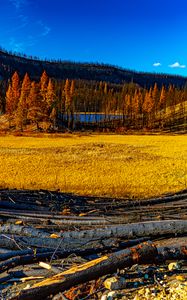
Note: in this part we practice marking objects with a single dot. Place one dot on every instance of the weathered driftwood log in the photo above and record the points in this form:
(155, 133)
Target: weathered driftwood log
(54, 218)
(22, 230)
(142, 253)
(25, 257)
(20, 242)
(21, 206)
(152, 201)
(10, 254)
(48, 215)
(133, 230)
(11, 275)
(172, 252)
(23, 260)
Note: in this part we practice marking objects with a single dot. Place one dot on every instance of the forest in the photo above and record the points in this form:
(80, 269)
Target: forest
(55, 95)
(59, 103)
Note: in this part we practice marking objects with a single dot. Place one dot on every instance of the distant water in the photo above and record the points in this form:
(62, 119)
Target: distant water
(92, 118)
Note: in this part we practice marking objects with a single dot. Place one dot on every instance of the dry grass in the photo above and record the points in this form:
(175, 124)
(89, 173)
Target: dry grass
(107, 165)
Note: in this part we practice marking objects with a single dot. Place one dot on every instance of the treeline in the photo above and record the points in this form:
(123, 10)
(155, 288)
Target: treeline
(60, 70)
(59, 103)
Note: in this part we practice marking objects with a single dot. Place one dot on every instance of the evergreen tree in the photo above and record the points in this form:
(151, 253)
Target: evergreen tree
(148, 106)
(68, 100)
(50, 95)
(15, 90)
(35, 109)
(44, 79)
(22, 109)
(162, 101)
(9, 103)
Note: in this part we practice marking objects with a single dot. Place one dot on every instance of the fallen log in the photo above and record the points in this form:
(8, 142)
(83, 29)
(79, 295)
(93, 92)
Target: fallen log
(48, 215)
(23, 260)
(132, 230)
(56, 219)
(25, 257)
(172, 253)
(126, 203)
(19, 242)
(10, 254)
(11, 205)
(142, 253)
(22, 230)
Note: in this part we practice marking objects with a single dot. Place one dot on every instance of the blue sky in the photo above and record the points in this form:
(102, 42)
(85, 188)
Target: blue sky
(144, 35)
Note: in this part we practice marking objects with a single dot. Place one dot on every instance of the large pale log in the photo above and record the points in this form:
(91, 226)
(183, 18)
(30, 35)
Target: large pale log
(22, 230)
(20, 242)
(142, 253)
(133, 230)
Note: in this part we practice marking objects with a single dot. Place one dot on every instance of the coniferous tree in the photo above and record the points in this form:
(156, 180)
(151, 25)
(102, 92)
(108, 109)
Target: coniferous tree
(148, 105)
(44, 79)
(68, 101)
(162, 100)
(15, 90)
(162, 106)
(9, 105)
(22, 109)
(72, 108)
(50, 95)
(35, 109)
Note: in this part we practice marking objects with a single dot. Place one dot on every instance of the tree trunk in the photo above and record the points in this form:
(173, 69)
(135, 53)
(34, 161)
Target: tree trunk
(133, 230)
(142, 253)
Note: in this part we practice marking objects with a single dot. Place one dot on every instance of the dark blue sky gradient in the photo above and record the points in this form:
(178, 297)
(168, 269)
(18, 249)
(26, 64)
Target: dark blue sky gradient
(132, 34)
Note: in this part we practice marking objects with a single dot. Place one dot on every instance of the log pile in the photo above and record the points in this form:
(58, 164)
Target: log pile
(62, 246)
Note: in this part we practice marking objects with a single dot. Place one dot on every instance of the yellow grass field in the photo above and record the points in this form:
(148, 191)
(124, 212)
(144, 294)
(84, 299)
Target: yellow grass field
(102, 165)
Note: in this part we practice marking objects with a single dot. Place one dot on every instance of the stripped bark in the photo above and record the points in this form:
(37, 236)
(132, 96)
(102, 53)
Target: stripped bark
(142, 253)
(133, 230)
(22, 230)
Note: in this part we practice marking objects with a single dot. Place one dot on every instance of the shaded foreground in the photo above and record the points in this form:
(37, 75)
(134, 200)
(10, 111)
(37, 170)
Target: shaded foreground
(100, 165)
(91, 245)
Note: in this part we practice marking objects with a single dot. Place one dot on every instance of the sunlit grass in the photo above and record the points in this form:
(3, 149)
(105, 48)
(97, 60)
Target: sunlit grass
(107, 165)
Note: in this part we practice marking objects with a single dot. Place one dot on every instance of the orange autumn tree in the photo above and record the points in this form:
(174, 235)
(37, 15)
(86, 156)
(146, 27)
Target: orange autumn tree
(162, 100)
(50, 96)
(13, 94)
(15, 90)
(148, 106)
(162, 106)
(68, 101)
(44, 79)
(22, 109)
(35, 109)
(9, 104)
(51, 104)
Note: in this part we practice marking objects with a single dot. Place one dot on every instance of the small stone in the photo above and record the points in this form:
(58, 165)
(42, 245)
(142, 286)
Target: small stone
(111, 295)
(114, 283)
(173, 266)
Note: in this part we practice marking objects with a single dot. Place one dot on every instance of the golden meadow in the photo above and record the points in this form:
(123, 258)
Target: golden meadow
(100, 165)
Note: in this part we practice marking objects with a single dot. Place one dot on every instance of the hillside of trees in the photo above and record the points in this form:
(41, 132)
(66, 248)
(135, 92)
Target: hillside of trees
(55, 93)
(60, 70)
(59, 103)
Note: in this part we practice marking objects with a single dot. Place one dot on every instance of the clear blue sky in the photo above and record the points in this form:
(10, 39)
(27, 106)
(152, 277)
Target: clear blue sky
(134, 34)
